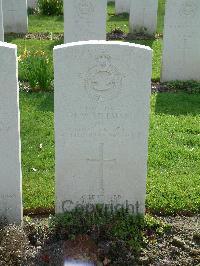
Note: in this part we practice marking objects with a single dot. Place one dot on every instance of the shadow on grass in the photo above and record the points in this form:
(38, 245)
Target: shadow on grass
(47, 103)
(48, 18)
(110, 5)
(161, 14)
(176, 104)
(59, 18)
(9, 37)
(40, 101)
(118, 18)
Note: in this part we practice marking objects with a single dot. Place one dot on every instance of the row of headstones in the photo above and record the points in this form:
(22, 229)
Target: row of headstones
(86, 20)
(145, 17)
(83, 20)
(101, 127)
(181, 53)
(143, 14)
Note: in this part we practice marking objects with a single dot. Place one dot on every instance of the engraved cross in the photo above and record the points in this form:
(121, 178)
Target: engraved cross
(101, 162)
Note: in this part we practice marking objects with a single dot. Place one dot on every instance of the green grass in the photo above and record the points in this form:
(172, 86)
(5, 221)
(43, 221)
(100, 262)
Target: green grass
(174, 152)
(37, 133)
(39, 23)
(34, 45)
(55, 25)
(113, 21)
(161, 13)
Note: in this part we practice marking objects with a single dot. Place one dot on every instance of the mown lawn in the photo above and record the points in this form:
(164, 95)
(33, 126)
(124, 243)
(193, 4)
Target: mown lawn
(174, 142)
(161, 13)
(174, 151)
(44, 24)
(37, 135)
(55, 24)
(39, 23)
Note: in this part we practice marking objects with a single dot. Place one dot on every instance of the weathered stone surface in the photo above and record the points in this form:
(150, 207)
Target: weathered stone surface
(10, 156)
(1, 23)
(102, 94)
(32, 3)
(122, 6)
(181, 52)
(143, 16)
(15, 16)
(84, 20)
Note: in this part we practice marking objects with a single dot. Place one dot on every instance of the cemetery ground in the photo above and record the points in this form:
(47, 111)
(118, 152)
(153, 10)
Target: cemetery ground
(168, 235)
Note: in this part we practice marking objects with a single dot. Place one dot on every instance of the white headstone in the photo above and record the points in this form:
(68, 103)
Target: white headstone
(15, 16)
(122, 6)
(143, 16)
(10, 156)
(102, 92)
(1, 23)
(84, 20)
(181, 52)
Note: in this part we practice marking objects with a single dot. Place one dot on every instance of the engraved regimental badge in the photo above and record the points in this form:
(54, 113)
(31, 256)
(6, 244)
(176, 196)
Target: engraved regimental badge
(84, 8)
(103, 81)
(188, 8)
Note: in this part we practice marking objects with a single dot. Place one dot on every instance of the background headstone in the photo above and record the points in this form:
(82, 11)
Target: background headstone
(181, 52)
(143, 16)
(122, 6)
(102, 92)
(15, 16)
(84, 20)
(32, 3)
(10, 156)
(1, 23)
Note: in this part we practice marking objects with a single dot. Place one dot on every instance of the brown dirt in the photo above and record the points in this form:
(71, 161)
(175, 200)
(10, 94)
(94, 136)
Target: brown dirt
(113, 35)
(179, 247)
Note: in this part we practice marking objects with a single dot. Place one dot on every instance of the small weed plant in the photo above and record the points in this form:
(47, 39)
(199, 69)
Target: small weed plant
(123, 232)
(36, 69)
(190, 86)
(50, 7)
